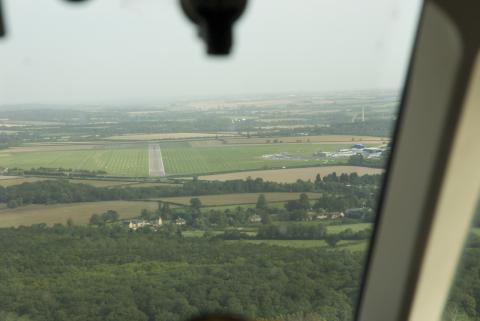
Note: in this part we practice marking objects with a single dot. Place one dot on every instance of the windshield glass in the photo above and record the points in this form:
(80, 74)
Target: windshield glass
(143, 180)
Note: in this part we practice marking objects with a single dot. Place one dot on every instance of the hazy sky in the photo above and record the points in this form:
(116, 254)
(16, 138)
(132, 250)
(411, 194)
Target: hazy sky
(145, 50)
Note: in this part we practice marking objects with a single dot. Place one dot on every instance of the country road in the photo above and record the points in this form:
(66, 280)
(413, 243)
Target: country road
(155, 162)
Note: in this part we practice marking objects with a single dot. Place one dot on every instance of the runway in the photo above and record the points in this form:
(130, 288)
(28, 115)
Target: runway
(155, 161)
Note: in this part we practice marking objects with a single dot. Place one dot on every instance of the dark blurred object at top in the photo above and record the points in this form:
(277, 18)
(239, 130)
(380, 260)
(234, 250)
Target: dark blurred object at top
(215, 19)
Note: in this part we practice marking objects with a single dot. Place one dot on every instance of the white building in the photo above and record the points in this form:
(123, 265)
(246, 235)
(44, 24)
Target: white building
(180, 221)
(136, 224)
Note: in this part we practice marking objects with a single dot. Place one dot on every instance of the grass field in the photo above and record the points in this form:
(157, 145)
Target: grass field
(180, 158)
(116, 160)
(198, 233)
(352, 246)
(101, 183)
(161, 136)
(333, 229)
(354, 227)
(291, 175)
(15, 180)
(60, 213)
(152, 184)
(233, 207)
(6, 181)
(332, 225)
(242, 198)
(34, 147)
(252, 230)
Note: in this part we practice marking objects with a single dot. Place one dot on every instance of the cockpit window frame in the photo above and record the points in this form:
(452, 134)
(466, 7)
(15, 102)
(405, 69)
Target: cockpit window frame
(432, 105)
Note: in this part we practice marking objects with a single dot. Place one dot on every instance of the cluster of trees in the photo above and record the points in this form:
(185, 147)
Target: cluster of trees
(350, 179)
(240, 216)
(62, 191)
(196, 218)
(303, 203)
(354, 207)
(338, 203)
(109, 216)
(359, 160)
(108, 274)
(348, 235)
(294, 210)
(329, 183)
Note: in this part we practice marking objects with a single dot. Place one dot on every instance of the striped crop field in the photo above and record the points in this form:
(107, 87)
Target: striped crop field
(180, 158)
(116, 160)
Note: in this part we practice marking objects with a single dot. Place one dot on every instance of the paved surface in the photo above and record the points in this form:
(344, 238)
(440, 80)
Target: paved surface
(155, 162)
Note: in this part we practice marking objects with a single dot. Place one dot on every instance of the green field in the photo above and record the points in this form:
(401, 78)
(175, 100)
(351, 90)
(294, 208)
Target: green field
(80, 213)
(331, 229)
(116, 160)
(206, 209)
(6, 181)
(352, 246)
(354, 227)
(180, 158)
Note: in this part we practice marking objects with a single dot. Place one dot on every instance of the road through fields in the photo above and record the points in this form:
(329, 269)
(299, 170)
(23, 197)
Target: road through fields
(155, 162)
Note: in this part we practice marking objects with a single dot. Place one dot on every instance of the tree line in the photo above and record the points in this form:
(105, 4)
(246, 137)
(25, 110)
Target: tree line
(63, 191)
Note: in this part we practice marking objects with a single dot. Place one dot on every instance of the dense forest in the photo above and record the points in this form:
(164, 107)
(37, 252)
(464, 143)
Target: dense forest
(66, 273)
(110, 274)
